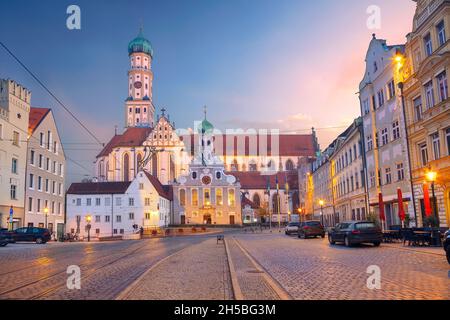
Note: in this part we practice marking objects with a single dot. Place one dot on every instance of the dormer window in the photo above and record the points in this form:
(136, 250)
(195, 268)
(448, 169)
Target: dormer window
(375, 66)
(194, 175)
(218, 175)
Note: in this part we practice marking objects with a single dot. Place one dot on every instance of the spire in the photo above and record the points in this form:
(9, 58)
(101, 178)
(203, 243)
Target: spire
(204, 111)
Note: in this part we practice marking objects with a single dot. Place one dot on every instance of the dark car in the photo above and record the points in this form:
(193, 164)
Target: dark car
(447, 244)
(3, 240)
(311, 229)
(33, 234)
(356, 232)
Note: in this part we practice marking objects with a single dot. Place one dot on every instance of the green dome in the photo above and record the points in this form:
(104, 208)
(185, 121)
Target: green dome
(206, 127)
(140, 44)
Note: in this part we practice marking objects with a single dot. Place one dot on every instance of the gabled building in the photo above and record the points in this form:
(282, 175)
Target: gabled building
(118, 208)
(45, 173)
(386, 149)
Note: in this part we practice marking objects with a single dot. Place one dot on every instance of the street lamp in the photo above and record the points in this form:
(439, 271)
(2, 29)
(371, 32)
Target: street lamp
(321, 203)
(46, 216)
(300, 211)
(431, 177)
(88, 226)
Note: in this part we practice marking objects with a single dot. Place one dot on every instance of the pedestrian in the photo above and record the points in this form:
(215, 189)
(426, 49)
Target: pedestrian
(141, 231)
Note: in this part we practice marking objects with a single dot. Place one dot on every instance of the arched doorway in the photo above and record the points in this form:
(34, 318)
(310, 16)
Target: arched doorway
(289, 165)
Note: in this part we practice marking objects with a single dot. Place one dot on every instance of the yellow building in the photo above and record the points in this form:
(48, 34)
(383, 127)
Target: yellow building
(427, 104)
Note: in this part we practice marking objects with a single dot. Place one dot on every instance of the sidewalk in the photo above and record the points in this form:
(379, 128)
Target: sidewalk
(199, 272)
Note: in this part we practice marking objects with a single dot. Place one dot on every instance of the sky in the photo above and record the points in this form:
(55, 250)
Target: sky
(270, 64)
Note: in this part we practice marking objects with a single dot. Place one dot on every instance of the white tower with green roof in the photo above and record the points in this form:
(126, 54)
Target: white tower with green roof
(139, 109)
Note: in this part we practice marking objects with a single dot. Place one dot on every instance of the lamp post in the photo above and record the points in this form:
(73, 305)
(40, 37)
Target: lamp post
(399, 61)
(88, 226)
(431, 177)
(321, 203)
(46, 217)
(300, 211)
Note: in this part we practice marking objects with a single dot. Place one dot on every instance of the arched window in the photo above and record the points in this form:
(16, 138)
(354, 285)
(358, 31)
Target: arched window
(155, 165)
(270, 165)
(234, 165)
(289, 165)
(182, 197)
(139, 165)
(126, 167)
(257, 200)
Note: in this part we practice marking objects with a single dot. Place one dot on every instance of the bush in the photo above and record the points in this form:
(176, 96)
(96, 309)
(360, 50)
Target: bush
(373, 217)
(154, 232)
(194, 229)
(180, 230)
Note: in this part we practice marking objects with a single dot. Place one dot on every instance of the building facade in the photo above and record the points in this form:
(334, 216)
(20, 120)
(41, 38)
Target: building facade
(14, 112)
(428, 106)
(118, 208)
(45, 173)
(323, 188)
(206, 194)
(386, 149)
(347, 174)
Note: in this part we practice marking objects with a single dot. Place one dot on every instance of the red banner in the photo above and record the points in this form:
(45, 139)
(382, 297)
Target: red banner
(426, 200)
(401, 207)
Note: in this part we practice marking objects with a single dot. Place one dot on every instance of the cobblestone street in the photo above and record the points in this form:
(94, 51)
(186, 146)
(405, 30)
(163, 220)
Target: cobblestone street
(249, 266)
(313, 269)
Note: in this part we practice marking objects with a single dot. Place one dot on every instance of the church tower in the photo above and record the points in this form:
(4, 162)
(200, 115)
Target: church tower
(139, 109)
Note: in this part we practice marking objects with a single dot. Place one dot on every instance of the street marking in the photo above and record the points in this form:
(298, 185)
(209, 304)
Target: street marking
(271, 281)
(234, 281)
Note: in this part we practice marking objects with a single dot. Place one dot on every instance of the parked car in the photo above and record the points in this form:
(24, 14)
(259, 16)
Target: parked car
(292, 227)
(311, 229)
(447, 244)
(356, 232)
(33, 234)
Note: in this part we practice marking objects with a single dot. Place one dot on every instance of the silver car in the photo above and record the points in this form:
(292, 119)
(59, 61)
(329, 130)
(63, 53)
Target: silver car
(291, 228)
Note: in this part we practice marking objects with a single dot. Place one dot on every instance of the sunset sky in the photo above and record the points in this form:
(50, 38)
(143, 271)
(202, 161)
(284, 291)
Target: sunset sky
(286, 64)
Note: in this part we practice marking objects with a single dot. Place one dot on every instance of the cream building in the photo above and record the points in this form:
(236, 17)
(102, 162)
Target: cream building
(386, 148)
(206, 194)
(45, 174)
(428, 105)
(347, 174)
(14, 113)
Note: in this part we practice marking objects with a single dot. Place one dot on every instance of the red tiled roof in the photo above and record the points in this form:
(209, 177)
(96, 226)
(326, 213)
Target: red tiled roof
(98, 188)
(253, 180)
(36, 117)
(159, 187)
(246, 201)
(132, 137)
(288, 144)
(234, 145)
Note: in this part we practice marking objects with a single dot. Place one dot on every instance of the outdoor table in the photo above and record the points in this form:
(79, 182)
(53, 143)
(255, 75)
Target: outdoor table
(424, 235)
(388, 235)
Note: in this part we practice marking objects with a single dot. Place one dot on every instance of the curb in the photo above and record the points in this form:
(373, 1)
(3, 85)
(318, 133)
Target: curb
(234, 281)
(415, 250)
